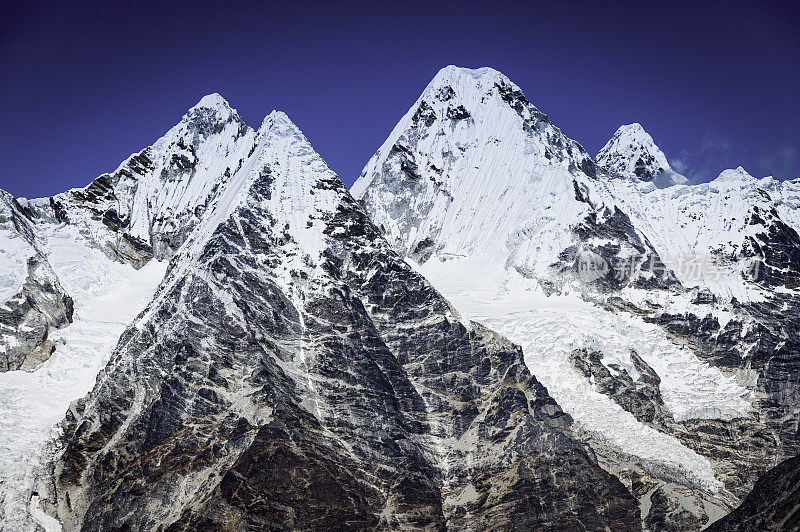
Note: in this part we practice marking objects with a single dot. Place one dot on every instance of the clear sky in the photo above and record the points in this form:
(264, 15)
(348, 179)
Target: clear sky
(82, 87)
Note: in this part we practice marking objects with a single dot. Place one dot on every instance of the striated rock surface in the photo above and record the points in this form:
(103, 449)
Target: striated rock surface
(640, 397)
(293, 372)
(774, 503)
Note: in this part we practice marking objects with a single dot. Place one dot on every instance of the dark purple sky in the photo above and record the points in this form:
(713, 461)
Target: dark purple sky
(715, 83)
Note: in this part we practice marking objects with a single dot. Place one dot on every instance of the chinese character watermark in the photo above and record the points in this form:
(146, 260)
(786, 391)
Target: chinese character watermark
(590, 267)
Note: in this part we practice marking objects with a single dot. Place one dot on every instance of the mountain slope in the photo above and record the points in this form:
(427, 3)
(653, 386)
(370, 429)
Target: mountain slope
(735, 240)
(292, 371)
(523, 232)
(425, 169)
(108, 295)
(145, 209)
(82, 246)
(774, 503)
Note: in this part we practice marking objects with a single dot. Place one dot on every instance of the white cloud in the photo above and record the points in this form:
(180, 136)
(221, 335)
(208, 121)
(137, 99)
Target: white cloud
(679, 165)
(704, 161)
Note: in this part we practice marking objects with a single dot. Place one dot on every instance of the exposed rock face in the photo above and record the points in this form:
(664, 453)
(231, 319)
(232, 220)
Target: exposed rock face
(774, 503)
(293, 372)
(754, 277)
(668, 510)
(609, 236)
(641, 397)
(737, 447)
(39, 305)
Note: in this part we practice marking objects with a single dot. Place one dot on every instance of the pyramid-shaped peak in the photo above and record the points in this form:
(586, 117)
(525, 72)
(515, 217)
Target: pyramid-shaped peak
(632, 152)
(278, 117)
(628, 144)
(735, 175)
(212, 101)
(634, 134)
(278, 124)
(212, 105)
(635, 127)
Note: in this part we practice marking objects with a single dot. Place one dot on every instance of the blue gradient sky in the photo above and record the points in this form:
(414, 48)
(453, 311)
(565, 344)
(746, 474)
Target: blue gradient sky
(715, 83)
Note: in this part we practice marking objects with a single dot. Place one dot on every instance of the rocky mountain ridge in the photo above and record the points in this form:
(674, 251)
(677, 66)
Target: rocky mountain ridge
(219, 334)
(289, 370)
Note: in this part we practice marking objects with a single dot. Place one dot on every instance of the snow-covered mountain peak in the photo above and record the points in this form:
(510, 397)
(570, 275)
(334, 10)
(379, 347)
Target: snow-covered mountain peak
(634, 130)
(634, 136)
(213, 101)
(495, 206)
(150, 203)
(459, 93)
(454, 72)
(631, 152)
(480, 111)
(210, 116)
(735, 175)
(285, 180)
(278, 121)
(463, 82)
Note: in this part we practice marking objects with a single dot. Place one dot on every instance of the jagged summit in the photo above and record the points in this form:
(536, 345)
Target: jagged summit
(209, 116)
(635, 134)
(147, 206)
(451, 72)
(278, 117)
(632, 153)
(474, 88)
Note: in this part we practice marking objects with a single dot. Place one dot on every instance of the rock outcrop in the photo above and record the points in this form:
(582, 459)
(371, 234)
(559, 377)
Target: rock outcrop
(34, 302)
(774, 503)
